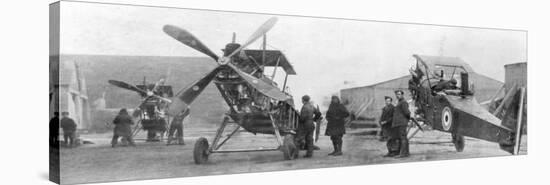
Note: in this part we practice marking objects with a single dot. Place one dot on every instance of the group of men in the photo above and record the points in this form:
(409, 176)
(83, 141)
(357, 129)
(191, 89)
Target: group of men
(335, 116)
(67, 125)
(122, 129)
(123, 122)
(394, 121)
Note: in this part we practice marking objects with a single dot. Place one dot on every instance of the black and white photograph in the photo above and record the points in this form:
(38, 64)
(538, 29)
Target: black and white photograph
(149, 92)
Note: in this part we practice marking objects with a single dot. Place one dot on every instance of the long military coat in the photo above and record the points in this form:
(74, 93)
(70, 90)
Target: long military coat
(123, 125)
(336, 115)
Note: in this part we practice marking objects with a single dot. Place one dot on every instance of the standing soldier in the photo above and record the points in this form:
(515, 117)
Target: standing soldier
(336, 115)
(401, 117)
(177, 126)
(386, 119)
(69, 128)
(306, 126)
(122, 123)
(54, 130)
(387, 132)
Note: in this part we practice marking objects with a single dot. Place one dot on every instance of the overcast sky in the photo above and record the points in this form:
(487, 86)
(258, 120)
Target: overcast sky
(324, 52)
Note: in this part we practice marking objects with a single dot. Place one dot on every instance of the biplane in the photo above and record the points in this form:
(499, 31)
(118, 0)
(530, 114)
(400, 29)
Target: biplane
(150, 111)
(444, 99)
(255, 101)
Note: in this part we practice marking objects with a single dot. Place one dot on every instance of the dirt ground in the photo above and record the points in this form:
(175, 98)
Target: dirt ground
(99, 162)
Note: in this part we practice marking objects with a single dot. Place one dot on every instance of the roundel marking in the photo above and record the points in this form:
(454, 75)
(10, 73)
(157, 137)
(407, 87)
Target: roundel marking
(446, 118)
(195, 88)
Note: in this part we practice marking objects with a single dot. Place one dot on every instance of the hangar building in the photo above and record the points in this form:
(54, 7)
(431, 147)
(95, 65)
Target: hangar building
(366, 103)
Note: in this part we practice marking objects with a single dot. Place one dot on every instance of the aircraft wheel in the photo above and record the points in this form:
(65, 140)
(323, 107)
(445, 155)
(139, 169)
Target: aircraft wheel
(290, 151)
(458, 141)
(200, 152)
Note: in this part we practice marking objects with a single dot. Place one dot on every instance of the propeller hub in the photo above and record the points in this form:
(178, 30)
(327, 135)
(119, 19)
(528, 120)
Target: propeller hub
(224, 60)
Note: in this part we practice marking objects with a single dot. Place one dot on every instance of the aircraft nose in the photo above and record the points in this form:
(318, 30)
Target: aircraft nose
(224, 60)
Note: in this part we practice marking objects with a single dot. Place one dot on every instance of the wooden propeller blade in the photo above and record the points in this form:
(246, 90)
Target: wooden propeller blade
(125, 85)
(188, 39)
(262, 30)
(187, 95)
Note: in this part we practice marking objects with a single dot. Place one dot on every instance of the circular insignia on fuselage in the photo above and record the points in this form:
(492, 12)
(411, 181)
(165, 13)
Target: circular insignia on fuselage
(446, 118)
(196, 88)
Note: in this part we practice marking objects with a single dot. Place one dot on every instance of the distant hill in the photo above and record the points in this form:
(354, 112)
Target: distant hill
(98, 69)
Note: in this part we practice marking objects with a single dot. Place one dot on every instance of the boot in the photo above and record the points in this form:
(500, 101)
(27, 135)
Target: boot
(169, 141)
(335, 148)
(113, 142)
(180, 141)
(309, 152)
(404, 149)
(338, 149)
(390, 154)
(393, 150)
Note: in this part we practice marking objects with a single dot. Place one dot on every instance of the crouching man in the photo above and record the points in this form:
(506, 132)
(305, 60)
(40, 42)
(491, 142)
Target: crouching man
(123, 128)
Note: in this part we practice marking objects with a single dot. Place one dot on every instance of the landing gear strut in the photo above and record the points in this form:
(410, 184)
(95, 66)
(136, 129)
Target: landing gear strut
(202, 148)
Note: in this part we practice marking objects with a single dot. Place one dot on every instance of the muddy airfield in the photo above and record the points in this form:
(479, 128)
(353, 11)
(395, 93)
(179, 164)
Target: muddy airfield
(99, 162)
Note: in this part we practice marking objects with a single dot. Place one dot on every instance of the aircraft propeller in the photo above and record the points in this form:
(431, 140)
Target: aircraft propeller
(127, 86)
(187, 95)
(188, 39)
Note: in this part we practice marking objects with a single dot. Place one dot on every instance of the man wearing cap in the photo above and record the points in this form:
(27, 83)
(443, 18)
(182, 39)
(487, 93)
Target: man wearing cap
(400, 121)
(69, 128)
(306, 125)
(388, 134)
(386, 119)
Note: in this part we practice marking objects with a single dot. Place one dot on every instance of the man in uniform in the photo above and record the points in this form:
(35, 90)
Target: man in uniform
(306, 126)
(386, 119)
(69, 128)
(400, 121)
(177, 126)
(54, 130)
